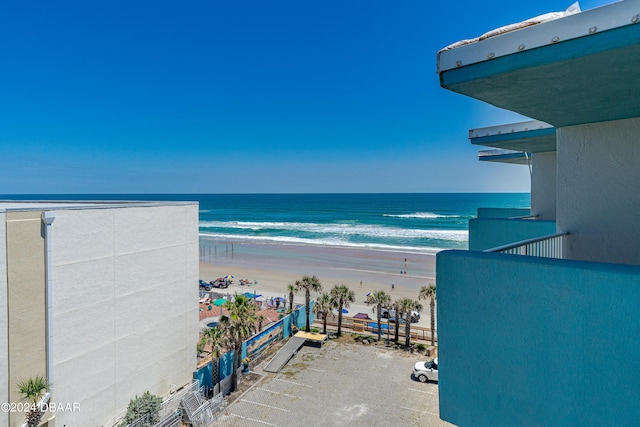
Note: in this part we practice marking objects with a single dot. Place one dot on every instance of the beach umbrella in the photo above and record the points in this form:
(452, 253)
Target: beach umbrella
(345, 311)
(228, 276)
(249, 295)
(219, 303)
(371, 295)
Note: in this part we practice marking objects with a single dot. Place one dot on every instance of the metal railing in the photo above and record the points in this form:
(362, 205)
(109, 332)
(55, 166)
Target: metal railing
(169, 414)
(524, 217)
(549, 246)
(223, 387)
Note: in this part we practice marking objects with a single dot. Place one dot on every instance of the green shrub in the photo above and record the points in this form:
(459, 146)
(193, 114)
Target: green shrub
(140, 406)
(421, 347)
(359, 337)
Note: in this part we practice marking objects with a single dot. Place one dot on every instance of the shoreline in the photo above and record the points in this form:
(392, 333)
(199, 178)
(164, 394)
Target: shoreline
(311, 243)
(274, 266)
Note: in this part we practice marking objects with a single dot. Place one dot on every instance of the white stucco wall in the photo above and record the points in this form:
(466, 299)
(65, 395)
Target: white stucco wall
(125, 306)
(543, 185)
(598, 180)
(4, 322)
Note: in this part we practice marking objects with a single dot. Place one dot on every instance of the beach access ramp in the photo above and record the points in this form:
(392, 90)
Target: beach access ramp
(291, 348)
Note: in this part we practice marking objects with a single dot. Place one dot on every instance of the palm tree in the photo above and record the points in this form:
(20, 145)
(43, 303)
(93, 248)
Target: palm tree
(395, 306)
(404, 309)
(219, 343)
(343, 297)
(32, 391)
(239, 325)
(217, 339)
(378, 299)
(291, 288)
(261, 318)
(308, 283)
(324, 305)
(430, 292)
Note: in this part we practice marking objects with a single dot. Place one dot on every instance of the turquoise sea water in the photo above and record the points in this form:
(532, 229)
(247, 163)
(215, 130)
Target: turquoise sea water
(405, 222)
(385, 221)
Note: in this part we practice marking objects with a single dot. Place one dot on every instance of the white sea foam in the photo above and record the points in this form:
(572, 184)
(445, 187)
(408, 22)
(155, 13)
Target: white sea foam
(318, 242)
(422, 215)
(343, 230)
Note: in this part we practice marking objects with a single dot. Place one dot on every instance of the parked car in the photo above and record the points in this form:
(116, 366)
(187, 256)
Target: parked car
(220, 283)
(426, 371)
(204, 286)
(391, 314)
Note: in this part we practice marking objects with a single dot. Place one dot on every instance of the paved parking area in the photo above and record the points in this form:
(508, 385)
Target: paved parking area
(340, 384)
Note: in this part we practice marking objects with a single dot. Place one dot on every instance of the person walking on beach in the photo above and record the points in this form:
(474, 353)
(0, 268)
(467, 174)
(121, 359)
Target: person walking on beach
(393, 286)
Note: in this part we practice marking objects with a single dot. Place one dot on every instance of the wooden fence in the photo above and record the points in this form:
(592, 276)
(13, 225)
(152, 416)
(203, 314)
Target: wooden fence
(371, 326)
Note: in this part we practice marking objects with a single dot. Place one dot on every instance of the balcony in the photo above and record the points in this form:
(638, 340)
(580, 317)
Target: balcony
(498, 227)
(537, 341)
(549, 246)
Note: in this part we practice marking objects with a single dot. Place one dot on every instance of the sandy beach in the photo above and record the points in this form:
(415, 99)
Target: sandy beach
(274, 266)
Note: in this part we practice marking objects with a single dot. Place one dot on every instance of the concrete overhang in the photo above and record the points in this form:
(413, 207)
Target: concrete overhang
(578, 69)
(533, 137)
(504, 156)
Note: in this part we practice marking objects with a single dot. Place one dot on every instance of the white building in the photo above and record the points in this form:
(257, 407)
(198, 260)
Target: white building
(99, 298)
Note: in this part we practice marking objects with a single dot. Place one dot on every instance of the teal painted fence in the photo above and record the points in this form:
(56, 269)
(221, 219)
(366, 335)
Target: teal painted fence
(280, 330)
(527, 341)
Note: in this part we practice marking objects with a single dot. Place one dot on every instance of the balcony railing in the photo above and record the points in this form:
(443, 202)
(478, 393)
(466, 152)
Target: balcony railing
(524, 217)
(546, 246)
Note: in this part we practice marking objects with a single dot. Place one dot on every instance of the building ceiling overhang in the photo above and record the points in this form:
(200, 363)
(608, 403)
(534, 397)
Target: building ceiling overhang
(533, 136)
(504, 156)
(579, 69)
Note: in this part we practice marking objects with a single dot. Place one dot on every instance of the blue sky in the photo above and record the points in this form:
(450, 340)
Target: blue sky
(244, 96)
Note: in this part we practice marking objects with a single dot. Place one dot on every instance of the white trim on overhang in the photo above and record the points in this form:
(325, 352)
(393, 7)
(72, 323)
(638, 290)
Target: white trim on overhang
(582, 24)
(508, 129)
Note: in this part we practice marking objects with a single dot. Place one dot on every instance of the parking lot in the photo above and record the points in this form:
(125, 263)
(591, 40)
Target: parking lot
(340, 384)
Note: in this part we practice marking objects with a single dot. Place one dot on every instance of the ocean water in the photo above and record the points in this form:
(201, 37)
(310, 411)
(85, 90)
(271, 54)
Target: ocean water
(399, 222)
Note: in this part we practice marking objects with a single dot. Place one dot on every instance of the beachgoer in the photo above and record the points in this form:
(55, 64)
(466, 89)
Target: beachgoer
(393, 286)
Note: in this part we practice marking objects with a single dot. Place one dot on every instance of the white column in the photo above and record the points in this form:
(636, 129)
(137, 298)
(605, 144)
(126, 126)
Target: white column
(47, 220)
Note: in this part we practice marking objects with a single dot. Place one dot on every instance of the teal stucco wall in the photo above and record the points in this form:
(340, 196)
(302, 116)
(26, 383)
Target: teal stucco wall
(502, 212)
(527, 341)
(487, 233)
